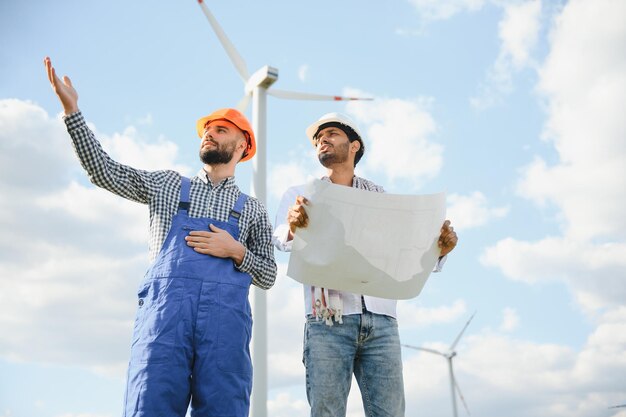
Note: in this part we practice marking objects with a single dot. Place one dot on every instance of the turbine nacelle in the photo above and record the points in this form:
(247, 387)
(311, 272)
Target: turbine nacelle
(264, 78)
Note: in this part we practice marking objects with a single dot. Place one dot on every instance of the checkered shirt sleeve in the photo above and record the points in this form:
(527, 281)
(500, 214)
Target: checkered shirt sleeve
(161, 191)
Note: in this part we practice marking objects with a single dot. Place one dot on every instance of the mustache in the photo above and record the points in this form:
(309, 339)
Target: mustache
(209, 141)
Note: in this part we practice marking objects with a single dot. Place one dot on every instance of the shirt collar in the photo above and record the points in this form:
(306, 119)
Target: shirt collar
(355, 180)
(225, 183)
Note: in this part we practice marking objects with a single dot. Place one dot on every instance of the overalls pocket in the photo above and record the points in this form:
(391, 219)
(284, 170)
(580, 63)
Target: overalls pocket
(142, 292)
(157, 320)
(234, 330)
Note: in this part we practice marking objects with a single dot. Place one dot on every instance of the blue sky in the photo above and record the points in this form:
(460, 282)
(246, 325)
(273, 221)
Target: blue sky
(514, 108)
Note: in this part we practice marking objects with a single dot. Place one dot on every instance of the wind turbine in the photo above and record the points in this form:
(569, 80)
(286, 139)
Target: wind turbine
(256, 87)
(449, 355)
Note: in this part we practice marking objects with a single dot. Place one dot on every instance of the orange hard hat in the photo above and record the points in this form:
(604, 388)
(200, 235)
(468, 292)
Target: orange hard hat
(238, 119)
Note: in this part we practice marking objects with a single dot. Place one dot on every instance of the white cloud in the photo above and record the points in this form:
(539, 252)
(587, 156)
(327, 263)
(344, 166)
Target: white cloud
(472, 210)
(603, 357)
(510, 320)
(584, 188)
(398, 143)
(71, 256)
(518, 32)
(408, 32)
(283, 176)
(284, 405)
(286, 323)
(146, 120)
(93, 205)
(444, 9)
(302, 165)
(32, 146)
(594, 272)
(398, 137)
(585, 98)
(69, 307)
(303, 72)
(130, 148)
(496, 372)
(410, 315)
(585, 121)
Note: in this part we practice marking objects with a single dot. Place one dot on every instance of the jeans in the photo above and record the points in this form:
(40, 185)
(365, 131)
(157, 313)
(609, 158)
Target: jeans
(367, 345)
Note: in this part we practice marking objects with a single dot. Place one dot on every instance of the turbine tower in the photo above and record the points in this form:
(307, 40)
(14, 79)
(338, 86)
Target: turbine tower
(257, 87)
(449, 355)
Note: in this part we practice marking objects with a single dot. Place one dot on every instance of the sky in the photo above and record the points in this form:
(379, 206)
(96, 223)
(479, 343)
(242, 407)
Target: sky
(512, 107)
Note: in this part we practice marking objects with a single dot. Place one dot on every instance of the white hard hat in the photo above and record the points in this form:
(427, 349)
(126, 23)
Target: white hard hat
(312, 130)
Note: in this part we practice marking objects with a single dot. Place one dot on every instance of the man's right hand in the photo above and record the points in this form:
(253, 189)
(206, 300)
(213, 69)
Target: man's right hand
(296, 216)
(64, 89)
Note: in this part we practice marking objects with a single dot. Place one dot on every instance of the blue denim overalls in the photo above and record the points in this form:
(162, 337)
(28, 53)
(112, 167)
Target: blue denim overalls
(193, 327)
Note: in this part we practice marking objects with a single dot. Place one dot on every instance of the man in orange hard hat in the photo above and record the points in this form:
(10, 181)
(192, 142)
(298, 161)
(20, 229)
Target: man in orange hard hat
(347, 334)
(208, 243)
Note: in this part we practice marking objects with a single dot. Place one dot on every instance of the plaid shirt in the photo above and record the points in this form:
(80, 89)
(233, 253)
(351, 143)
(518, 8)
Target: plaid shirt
(161, 191)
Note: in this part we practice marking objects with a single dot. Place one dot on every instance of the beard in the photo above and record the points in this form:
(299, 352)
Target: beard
(339, 156)
(217, 156)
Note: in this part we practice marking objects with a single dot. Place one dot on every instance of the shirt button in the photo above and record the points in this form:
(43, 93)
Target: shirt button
(140, 302)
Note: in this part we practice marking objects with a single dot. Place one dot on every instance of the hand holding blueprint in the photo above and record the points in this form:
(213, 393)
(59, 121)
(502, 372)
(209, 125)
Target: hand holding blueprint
(378, 244)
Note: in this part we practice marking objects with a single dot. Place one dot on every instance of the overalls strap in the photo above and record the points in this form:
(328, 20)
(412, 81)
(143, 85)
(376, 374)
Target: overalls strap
(235, 213)
(185, 185)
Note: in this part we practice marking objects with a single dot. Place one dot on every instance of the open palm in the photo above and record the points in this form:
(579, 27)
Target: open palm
(63, 88)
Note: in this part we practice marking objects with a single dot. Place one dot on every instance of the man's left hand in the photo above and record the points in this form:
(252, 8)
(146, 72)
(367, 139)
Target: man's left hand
(447, 239)
(217, 242)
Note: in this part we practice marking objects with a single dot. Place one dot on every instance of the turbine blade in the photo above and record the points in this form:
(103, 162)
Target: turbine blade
(236, 59)
(458, 390)
(618, 406)
(436, 352)
(243, 103)
(295, 95)
(453, 345)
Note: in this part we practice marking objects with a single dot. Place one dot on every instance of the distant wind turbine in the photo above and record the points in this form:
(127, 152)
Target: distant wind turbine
(256, 87)
(449, 355)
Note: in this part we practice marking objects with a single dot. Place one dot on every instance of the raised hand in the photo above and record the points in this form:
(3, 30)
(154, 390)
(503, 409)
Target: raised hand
(63, 88)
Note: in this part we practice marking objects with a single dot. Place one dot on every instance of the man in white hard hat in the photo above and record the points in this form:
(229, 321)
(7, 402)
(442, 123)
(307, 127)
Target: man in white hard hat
(358, 334)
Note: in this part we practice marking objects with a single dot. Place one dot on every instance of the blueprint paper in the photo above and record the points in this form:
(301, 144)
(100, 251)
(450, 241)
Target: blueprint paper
(378, 244)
